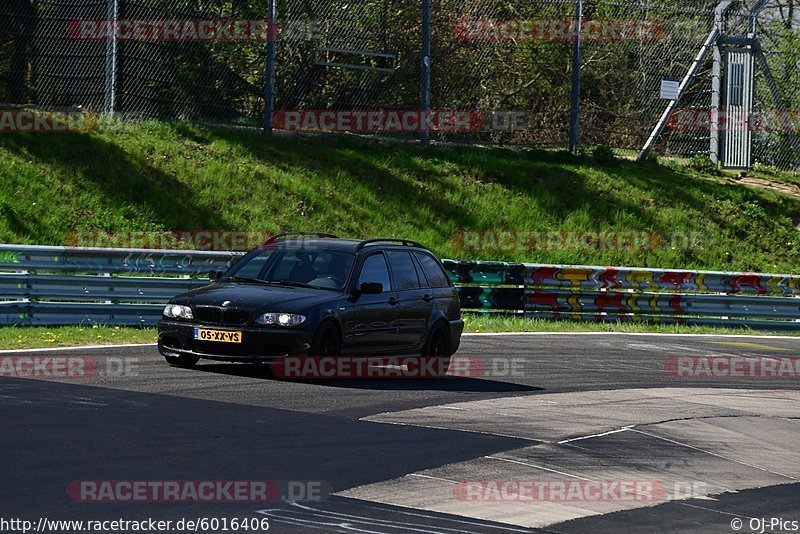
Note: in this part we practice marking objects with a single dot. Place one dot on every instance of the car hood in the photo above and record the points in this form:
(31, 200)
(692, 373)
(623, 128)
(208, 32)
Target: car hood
(256, 297)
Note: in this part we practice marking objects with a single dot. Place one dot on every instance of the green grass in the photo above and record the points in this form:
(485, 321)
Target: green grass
(76, 336)
(477, 323)
(72, 336)
(155, 176)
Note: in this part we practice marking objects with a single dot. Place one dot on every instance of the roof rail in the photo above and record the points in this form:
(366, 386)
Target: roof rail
(287, 235)
(403, 242)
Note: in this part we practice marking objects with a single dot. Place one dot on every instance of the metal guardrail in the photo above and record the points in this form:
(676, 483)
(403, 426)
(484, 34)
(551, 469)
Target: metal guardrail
(92, 295)
(111, 260)
(616, 294)
(62, 285)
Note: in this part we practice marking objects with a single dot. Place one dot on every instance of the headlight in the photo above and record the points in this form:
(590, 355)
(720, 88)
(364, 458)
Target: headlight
(176, 311)
(281, 319)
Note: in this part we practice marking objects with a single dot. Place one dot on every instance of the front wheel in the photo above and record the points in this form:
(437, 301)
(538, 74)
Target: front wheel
(327, 341)
(182, 361)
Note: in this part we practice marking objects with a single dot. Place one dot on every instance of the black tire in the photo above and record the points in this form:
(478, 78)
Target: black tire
(182, 361)
(438, 346)
(327, 341)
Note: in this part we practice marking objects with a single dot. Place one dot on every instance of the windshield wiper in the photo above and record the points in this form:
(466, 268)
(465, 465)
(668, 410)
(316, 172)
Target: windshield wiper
(292, 283)
(249, 280)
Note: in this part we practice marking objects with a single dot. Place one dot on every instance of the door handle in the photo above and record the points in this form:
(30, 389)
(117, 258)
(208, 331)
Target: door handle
(393, 301)
(427, 298)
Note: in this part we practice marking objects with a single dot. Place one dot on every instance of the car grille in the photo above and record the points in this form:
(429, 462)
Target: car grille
(225, 316)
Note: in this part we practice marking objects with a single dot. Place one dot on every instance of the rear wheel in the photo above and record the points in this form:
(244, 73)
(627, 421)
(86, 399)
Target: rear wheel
(182, 361)
(438, 346)
(327, 341)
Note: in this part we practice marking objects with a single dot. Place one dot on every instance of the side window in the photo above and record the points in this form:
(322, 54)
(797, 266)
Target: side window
(405, 275)
(375, 270)
(423, 282)
(433, 271)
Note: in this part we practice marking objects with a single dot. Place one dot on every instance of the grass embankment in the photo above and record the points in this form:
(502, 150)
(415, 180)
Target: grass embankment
(152, 176)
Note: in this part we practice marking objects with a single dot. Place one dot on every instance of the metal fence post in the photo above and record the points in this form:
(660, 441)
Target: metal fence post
(269, 82)
(716, 89)
(425, 104)
(111, 61)
(577, 53)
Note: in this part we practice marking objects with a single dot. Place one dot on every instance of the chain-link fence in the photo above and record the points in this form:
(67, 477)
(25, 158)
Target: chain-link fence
(124, 57)
(455, 70)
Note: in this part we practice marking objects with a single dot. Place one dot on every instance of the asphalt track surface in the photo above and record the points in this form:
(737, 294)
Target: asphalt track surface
(388, 452)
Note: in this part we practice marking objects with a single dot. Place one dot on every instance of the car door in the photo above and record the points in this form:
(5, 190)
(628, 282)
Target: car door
(445, 296)
(416, 301)
(375, 317)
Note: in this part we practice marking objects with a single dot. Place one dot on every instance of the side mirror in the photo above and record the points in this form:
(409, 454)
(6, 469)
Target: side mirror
(214, 276)
(371, 288)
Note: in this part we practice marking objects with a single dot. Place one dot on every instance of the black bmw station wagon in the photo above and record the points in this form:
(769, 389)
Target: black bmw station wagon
(303, 294)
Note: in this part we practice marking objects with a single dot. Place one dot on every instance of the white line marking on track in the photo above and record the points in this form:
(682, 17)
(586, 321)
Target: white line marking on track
(420, 425)
(713, 454)
(715, 511)
(347, 522)
(635, 334)
(623, 429)
(472, 334)
(416, 513)
(87, 347)
(509, 460)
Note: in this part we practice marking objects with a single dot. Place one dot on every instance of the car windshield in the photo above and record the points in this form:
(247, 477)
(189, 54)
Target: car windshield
(322, 269)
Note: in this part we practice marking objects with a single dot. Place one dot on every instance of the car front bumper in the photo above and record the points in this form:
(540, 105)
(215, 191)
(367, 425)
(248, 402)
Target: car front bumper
(176, 338)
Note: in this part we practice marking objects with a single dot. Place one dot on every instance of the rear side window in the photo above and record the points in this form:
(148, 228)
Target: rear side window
(405, 274)
(375, 270)
(433, 271)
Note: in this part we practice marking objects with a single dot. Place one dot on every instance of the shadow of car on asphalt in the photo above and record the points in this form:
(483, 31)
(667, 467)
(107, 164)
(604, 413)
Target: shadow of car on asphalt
(448, 383)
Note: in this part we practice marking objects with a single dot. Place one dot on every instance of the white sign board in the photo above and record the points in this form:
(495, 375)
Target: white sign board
(670, 89)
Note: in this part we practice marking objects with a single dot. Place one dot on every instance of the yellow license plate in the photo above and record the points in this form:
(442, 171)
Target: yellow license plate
(220, 336)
